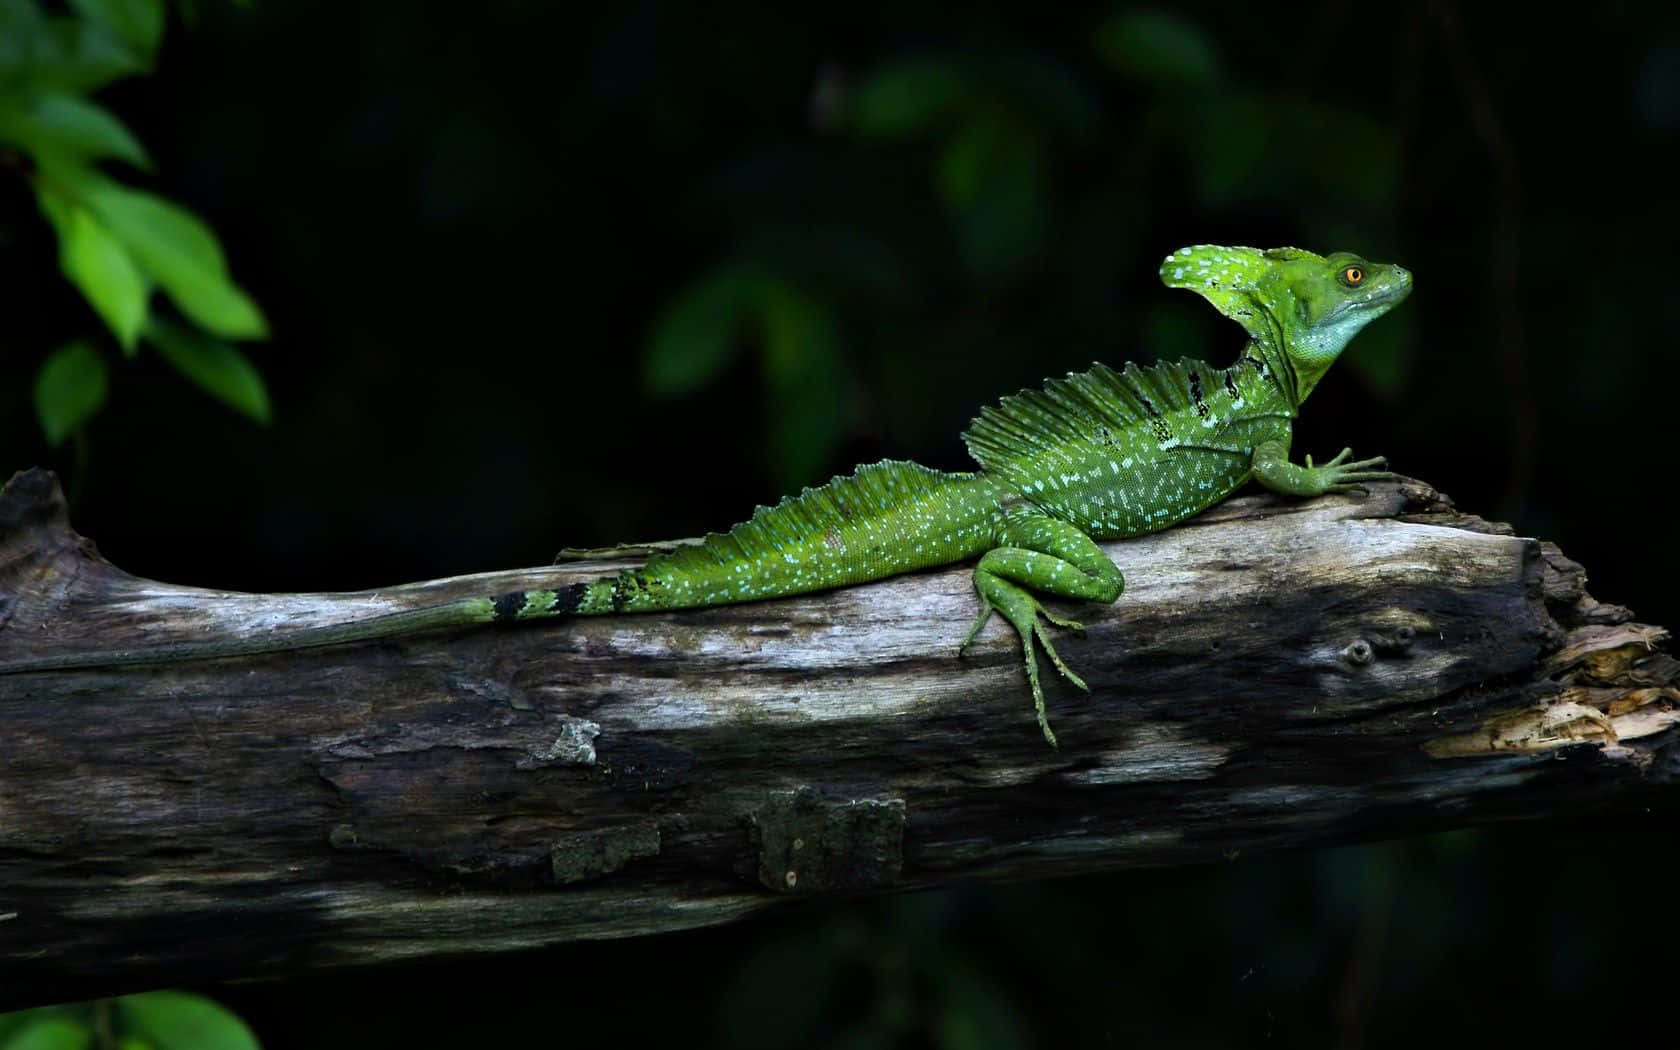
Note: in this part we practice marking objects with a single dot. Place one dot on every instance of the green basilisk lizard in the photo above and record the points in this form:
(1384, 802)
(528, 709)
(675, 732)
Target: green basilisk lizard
(1099, 455)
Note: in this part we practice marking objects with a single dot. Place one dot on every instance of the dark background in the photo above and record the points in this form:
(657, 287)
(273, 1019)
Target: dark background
(475, 228)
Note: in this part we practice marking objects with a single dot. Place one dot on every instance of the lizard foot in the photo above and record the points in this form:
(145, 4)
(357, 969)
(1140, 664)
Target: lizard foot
(1028, 616)
(1340, 474)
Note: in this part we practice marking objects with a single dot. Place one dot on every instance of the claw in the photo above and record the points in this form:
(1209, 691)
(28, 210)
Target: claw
(1025, 617)
(1043, 637)
(979, 622)
(1060, 621)
(1341, 475)
(1005, 573)
(1365, 464)
(1038, 696)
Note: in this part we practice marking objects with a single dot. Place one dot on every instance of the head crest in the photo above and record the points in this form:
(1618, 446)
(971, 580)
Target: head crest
(1228, 278)
(1300, 309)
(1213, 266)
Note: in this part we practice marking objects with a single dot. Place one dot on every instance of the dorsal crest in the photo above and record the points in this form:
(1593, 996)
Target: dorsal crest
(1086, 408)
(837, 507)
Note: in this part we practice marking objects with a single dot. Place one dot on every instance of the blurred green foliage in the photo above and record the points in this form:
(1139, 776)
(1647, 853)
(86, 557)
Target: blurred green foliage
(147, 1021)
(999, 139)
(116, 244)
(703, 329)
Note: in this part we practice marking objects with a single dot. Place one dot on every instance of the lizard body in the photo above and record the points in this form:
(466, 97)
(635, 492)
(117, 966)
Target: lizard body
(1096, 455)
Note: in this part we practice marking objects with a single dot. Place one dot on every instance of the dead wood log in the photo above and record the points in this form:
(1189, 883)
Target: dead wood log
(1278, 673)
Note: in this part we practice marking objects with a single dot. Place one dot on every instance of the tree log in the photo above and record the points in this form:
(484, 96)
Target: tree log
(1278, 673)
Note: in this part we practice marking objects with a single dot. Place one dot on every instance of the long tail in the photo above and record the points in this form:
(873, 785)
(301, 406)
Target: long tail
(888, 518)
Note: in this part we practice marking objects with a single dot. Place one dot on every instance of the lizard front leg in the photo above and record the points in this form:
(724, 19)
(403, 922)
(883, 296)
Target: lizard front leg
(1051, 556)
(1273, 470)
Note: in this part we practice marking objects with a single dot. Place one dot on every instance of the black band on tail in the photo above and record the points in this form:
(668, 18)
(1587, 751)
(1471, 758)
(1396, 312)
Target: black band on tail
(567, 599)
(508, 606)
(525, 605)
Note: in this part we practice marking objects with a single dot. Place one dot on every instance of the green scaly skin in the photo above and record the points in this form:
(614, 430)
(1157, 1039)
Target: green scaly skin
(1099, 455)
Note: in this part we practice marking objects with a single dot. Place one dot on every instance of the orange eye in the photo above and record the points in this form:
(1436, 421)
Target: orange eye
(1353, 275)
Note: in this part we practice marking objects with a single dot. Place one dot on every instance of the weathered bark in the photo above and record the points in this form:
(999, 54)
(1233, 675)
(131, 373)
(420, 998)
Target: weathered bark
(1277, 673)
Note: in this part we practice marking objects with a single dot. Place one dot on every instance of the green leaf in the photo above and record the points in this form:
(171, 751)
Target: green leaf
(703, 331)
(16, 1022)
(175, 249)
(50, 1033)
(698, 334)
(25, 38)
(836, 255)
(138, 22)
(991, 175)
(60, 51)
(57, 125)
(69, 390)
(179, 1021)
(79, 56)
(100, 266)
(1248, 145)
(1047, 93)
(807, 380)
(216, 367)
(906, 97)
(1158, 46)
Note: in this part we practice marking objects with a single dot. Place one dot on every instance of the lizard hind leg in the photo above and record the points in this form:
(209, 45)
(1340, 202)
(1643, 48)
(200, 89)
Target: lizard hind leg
(1050, 556)
(1021, 610)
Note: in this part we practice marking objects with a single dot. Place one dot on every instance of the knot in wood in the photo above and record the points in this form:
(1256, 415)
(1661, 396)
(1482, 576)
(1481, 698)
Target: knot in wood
(1359, 653)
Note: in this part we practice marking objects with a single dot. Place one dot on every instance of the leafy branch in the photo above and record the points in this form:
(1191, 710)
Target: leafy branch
(116, 244)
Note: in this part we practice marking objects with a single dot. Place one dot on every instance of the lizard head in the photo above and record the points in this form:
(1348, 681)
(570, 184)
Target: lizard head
(1310, 304)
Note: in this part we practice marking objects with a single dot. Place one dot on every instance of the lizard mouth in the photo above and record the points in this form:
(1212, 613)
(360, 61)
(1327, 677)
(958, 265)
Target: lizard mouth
(1396, 288)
